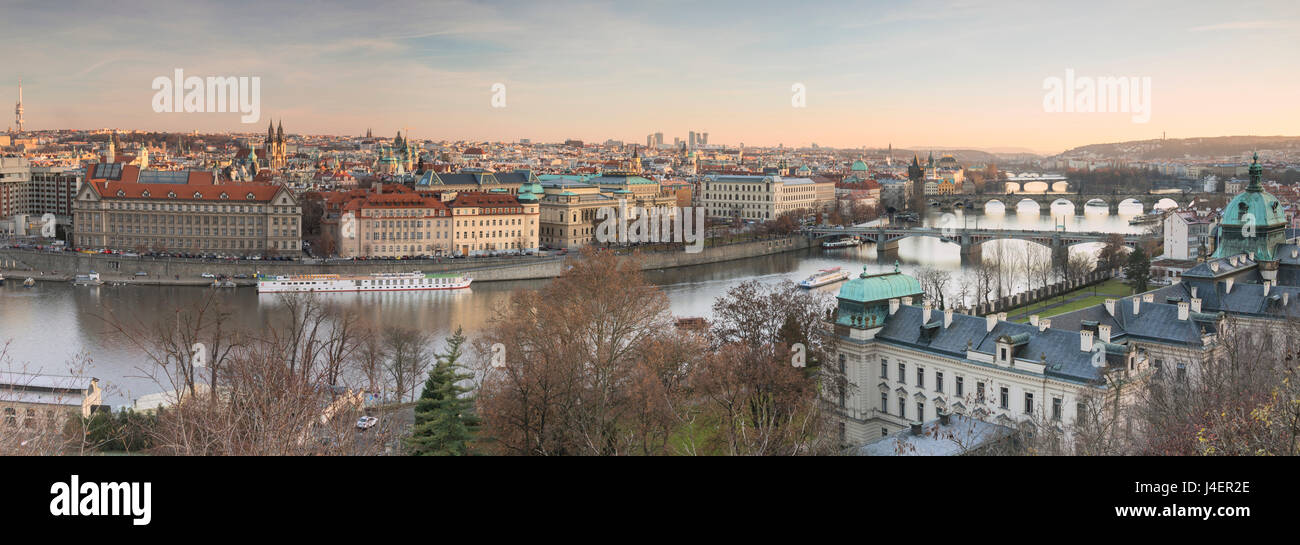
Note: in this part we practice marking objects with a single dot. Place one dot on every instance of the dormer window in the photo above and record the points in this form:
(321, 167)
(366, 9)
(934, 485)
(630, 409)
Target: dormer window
(225, 196)
(145, 193)
(249, 196)
(198, 195)
(171, 194)
(121, 193)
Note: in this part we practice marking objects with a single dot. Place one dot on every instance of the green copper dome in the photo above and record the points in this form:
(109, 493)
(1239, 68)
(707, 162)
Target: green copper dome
(868, 288)
(859, 166)
(1253, 222)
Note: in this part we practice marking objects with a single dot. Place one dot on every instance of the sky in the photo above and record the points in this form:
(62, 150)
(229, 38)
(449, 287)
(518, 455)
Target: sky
(941, 73)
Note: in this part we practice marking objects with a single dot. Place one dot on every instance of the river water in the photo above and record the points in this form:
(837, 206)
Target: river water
(51, 325)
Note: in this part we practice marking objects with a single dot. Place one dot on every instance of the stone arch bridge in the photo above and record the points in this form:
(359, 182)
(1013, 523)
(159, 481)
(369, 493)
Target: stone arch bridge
(970, 240)
(1079, 200)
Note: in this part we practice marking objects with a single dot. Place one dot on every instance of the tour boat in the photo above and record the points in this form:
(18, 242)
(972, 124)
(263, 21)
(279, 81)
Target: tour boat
(91, 279)
(1146, 218)
(823, 277)
(842, 243)
(29, 283)
(321, 283)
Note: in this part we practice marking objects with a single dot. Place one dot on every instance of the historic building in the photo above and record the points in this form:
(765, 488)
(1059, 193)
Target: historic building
(763, 198)
(909, 364)
(274, 148)
(390, 221)
(125, 208)
(475, 180)
(1253, 223)
(490, 223)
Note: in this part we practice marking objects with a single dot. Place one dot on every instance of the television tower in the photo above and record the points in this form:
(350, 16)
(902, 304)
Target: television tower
(18, 110)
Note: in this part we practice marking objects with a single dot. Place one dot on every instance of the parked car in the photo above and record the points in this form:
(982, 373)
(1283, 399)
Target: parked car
(208, 275)
(366, 422)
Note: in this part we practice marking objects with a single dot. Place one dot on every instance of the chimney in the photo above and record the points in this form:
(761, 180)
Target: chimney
(907, 300)
(893, 306)
(925, 313)
(1110, 307)
(1044, 324)
(991, 321)
(1286, 296)
(1193, 291)
(1267, 284)
(1214, 266)
(1085, 341)
(1228, 286)
(1033, 319)
(1183, 309)
(1103, 331)
(1137, 302)
(1148, 297)
(1196, 304)
(944, 419)
(1295, 253)
(947, 317)
(1002, 316)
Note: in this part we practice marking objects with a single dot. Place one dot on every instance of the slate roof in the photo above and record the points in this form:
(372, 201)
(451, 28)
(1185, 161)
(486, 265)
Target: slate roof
(1065, 361)
(1156, 321)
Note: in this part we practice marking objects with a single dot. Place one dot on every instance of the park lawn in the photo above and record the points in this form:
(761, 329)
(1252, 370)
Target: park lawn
(1110, 289)
(701, 433)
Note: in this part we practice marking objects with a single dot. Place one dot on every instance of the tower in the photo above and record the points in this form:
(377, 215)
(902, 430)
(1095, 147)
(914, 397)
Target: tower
(273, 151)
(111, 155)
(18, 109)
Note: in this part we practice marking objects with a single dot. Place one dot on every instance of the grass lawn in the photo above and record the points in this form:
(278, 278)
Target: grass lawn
(1110, 289)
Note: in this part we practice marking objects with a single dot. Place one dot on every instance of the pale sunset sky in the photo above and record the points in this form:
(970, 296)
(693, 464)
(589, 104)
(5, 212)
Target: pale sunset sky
(957, 73)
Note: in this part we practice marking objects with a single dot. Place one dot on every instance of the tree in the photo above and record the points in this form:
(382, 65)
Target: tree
(408, 358)
(1138, 270)
(445, 421)
(1111, 256)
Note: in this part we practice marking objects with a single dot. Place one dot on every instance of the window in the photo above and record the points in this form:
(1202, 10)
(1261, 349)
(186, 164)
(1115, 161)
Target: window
(884, 432)
(1056, 409)
(1080, 413)
(938, 381)
(902, 407)
(1005, 398)
(843, 434)
(1003, 357)
(1182, 372)
(920, 411)
(920, 376)
(1029, 403)
(902, 372)
(884, 403)
(960, 387)
(979, 392)
(884, 368)
(11, 418)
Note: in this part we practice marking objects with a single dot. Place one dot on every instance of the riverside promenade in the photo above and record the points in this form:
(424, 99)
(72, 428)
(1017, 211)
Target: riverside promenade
(46, 266)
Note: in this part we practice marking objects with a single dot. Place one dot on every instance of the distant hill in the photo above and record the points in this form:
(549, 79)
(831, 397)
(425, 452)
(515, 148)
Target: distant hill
(1180, 148)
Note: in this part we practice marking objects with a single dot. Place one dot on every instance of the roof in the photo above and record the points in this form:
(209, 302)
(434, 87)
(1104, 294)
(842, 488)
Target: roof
(961, 435)
(112, 181)
(880, 287)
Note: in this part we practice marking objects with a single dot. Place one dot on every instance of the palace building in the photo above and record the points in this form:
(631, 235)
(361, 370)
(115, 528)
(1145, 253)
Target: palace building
(763, 198)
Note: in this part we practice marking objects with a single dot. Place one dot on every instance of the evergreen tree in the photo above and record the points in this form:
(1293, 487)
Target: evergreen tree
(445, 421)
(1138, 270)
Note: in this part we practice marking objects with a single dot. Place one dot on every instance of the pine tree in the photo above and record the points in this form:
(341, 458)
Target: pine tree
(1138, 270)
(445, 421)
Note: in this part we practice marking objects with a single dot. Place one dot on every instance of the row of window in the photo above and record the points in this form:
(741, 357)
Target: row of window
(959, 390)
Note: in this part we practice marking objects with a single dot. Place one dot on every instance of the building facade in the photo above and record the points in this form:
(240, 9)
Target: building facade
(763, 198)
(124, 208)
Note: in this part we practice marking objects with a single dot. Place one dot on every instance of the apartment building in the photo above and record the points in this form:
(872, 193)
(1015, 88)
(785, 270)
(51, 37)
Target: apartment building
(392, 223)
(494, 222)
(125, 208)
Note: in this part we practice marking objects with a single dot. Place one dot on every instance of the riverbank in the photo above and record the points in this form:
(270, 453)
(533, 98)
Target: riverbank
(44, 266)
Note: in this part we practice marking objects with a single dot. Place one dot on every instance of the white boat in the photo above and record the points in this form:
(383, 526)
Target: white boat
(1146, 218)
(91, 279)
(29, 283)
(325, 283)
(823, 277)
(842, 243)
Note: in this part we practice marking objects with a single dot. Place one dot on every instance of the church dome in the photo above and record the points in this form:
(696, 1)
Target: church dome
(1253, 222)
(859, 166)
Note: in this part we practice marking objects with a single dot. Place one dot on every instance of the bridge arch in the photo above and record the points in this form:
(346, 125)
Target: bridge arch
(1131, 205)
(1164, 204)
(1035, 187)
(1062, 205)
(1061, 186)
(996, 206)
(1025, 204)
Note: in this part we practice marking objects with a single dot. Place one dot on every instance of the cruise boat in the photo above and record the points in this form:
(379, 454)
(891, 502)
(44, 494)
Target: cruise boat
(91, 279)
(324, 283)
(842, 243)
(823, 277)
(1146, 218)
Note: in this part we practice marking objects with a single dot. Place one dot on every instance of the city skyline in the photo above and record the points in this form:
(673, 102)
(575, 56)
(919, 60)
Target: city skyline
(931, 74)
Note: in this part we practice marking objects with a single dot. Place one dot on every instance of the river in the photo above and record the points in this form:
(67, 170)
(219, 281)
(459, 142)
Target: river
(48, 326)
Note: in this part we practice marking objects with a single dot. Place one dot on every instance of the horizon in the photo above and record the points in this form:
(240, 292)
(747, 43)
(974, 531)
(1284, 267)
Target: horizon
(888, 75)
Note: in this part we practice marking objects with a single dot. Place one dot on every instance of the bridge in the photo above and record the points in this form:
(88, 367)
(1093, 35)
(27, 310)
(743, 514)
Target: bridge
(1078, 200)
(886, 238)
